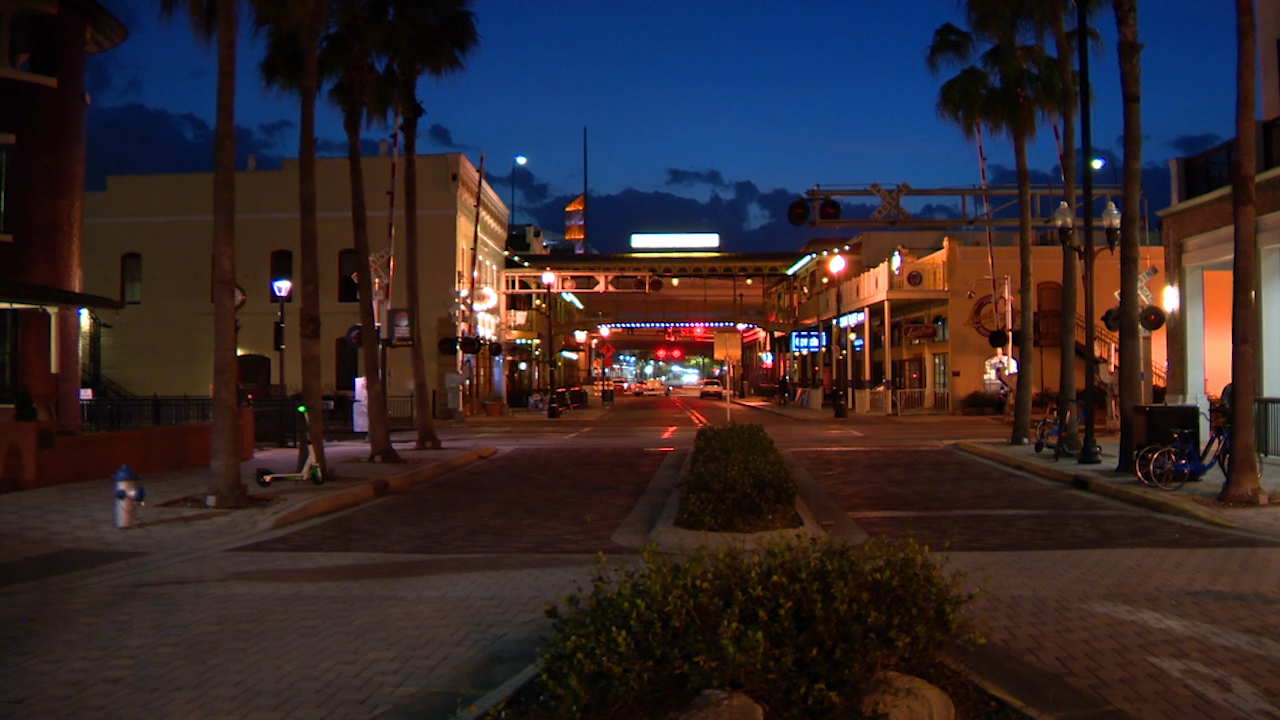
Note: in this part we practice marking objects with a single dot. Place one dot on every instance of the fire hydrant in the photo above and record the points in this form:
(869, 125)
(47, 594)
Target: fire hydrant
(128, 492)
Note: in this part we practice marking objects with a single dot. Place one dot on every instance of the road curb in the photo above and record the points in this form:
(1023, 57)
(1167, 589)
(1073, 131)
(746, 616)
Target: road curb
(371, 490)
(1097, 484)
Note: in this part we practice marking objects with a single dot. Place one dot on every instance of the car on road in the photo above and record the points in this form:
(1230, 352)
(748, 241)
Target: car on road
(711, 388)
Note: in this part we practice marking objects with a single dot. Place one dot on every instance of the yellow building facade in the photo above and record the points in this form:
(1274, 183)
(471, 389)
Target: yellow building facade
(930, 299)
(148, 241)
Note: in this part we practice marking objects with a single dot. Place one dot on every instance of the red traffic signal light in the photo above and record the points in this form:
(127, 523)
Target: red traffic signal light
(1151, 318)
(798, 212)
(660, 354)
(828, 209)
(676, 354)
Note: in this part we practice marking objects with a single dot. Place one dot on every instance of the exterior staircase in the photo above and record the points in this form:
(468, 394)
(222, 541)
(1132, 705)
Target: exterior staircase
(1110, 340)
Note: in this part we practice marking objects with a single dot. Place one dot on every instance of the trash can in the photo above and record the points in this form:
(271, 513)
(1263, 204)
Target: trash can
(1266, 425)
(606, 396)
(1154, 424)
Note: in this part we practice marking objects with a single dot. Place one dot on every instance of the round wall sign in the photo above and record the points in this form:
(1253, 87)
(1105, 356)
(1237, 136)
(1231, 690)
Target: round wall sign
(914, 278)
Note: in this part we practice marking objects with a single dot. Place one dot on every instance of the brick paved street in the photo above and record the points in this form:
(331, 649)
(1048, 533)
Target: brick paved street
(1158, 617)
(418, 602)
(522, 502)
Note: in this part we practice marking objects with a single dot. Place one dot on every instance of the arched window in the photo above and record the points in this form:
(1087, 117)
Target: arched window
(281, 269)
(348, 289)
(131, 279)
(999, 374)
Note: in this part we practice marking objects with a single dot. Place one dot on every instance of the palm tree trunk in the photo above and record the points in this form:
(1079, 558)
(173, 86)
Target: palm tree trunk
(1025, 386)
(1069, 437)
(427, 437)
(1242, 476)
(309, 315)
(1131, 360)
(224, 478)
(379, 434)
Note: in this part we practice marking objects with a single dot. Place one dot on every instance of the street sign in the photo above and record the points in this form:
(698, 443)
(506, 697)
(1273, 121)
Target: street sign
(919, 332)
(606, 350)
(1143, 292)
(728, 346)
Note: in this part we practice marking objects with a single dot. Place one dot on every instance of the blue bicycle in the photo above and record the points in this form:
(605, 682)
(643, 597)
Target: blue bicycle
(1172, 466)
(1048, 431)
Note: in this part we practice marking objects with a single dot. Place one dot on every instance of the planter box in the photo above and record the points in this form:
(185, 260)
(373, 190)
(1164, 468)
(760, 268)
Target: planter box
(671, 538)
(33, 454)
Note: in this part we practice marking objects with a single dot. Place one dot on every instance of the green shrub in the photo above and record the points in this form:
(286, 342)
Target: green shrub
(979, 399)
(800, 627)
(737, 481)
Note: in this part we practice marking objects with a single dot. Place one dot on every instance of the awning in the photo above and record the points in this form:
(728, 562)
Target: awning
(13, 292)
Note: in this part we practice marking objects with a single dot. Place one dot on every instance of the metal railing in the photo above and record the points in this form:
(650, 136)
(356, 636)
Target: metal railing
(103, 414)
(110, 413)
(922, 402)
(270, 428)
(1266, 425)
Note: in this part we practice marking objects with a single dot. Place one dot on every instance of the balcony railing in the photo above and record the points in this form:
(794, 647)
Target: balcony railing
(1211, 169)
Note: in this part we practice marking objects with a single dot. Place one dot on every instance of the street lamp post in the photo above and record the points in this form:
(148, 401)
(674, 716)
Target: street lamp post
(1089, 452)
(553, 410)
(1065, 221)
(517, 160)
(281, 288)
(836, 266)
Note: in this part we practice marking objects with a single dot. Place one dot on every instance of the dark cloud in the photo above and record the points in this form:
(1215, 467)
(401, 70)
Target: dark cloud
(134, 139)
(441, 136)
(933, 211)
(1184, 145)
(532, 190)
(105, 78)
(687, 178)
(1004, 175)
(276, 130)
(338, 148)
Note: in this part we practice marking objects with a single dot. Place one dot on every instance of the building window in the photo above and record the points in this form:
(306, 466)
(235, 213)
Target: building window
(348, 289)
(941, 373)
(8, 356)
(131, 279)
(281, 269)
(944, 328)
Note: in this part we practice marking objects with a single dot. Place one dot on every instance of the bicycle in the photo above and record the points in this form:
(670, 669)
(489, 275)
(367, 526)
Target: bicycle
(1048, 431)
(1172, 466)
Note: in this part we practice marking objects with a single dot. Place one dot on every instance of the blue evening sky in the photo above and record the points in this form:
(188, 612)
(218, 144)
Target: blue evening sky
(695, 110)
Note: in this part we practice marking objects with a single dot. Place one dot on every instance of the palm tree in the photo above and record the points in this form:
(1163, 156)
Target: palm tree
(347, 55)
(432, 37)
(1242, 472)
(1005, 88)
(1069, 436)
(294, 29)
(1130, 380)
(218, 18)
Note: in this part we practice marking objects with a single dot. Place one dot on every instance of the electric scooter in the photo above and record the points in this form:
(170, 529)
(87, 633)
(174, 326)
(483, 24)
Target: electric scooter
(310, 469)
